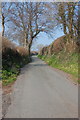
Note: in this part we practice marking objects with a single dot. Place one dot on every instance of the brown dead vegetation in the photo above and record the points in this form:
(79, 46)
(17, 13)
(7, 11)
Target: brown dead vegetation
(13, 55)
(7, 44)
(21, 50)
(60, 44)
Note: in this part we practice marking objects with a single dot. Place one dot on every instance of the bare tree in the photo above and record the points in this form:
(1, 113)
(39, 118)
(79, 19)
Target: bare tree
(30, 18)
(67, 17)
(61, 14)
(71, 13)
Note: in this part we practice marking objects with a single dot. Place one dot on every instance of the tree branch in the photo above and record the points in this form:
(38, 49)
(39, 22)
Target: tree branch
(36, 34)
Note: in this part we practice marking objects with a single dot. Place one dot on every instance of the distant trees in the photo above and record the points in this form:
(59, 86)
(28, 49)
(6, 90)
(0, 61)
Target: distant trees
(40, 46)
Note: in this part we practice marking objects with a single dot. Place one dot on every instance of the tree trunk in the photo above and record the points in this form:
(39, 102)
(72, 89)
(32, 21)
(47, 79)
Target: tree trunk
(28, 49)
(64, 26)
(70, 19)
(3, 25)
(63, 16)
(71, 29)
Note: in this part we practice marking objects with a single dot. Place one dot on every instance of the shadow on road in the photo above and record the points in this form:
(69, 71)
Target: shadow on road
(40, 65)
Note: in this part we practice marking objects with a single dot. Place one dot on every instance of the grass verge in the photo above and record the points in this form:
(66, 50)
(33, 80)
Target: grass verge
(9, 75)
(67, 62)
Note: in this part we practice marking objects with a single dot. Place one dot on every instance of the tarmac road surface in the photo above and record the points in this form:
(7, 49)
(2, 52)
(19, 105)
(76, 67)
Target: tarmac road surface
(43, 92)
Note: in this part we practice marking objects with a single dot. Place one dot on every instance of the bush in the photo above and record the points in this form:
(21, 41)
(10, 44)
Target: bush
(13, 58)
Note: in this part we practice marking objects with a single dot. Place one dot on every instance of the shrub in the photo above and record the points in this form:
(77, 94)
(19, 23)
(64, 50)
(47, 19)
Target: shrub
(13, 58)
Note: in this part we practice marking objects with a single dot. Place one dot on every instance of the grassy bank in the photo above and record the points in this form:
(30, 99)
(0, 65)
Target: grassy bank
(12, 62)
(67, 62)
(9, 75)
(13, 59)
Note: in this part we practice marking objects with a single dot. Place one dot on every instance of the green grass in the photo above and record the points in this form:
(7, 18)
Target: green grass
(11, 68)
(9, 74)
(8, 77)
(67, 62)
